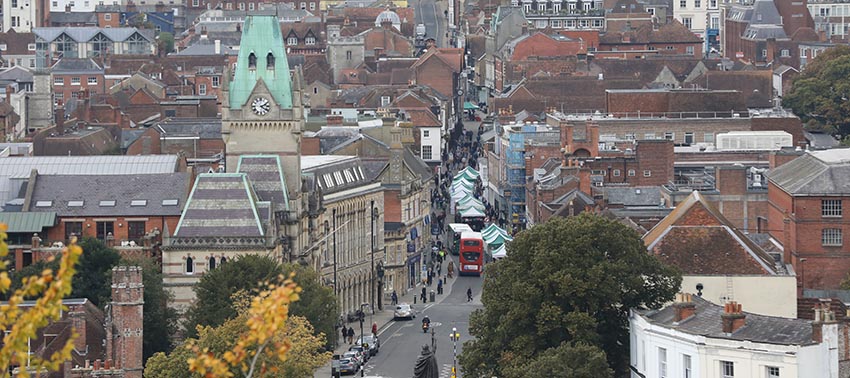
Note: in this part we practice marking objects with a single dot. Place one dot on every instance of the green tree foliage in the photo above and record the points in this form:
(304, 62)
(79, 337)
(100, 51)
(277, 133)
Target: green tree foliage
(165, 42)
(215, 292)
(820, 95)
(94, 280)
(160, 321)
(317, 303)
(568, 280)
(567, 360)
(213, 304)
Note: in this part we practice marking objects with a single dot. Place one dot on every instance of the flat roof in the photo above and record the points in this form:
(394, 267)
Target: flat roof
(313, 161)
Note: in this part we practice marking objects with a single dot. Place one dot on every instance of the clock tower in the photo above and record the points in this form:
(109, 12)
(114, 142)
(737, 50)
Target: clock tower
(262, 113)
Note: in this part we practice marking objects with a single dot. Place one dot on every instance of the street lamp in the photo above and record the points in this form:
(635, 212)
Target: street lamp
(362, 372)
(454, 337)
(374, 220)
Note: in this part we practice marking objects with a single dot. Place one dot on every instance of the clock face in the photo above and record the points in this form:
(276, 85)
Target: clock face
(260, 106)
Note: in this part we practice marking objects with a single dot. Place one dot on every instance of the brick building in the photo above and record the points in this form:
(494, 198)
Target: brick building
(76, 79)
(121, 212)
(669, 39)
(767, 31)
(805, 215)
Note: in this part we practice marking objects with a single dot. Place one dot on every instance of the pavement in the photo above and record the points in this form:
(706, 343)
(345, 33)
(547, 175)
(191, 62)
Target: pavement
(386, 324)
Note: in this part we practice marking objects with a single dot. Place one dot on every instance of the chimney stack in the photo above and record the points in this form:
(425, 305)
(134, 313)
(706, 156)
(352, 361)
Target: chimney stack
(36, 241)
(334, 119)
(733, 318)
(9, 90)
(823, 315)
(684, 307)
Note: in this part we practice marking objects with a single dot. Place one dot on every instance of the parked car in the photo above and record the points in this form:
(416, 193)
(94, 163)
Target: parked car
(404, 311)
(363, 352)
(355, 356)
(348, 366)
(372, 342)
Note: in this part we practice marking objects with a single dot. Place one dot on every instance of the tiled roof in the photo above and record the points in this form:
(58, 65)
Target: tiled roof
(17, 43)
(76, 65)
(125, 195)
(815, 173)
(707, 322)
(674, 32)
(698, 240)
(635, 196)
(221, 205)
(267, 177)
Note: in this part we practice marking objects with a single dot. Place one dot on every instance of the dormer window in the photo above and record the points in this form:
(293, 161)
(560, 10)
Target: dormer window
(252, 62)
(270, 61)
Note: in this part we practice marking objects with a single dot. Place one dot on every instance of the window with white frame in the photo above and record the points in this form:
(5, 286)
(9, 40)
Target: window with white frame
(631, 172)
(310, 41)
(91, 81)
(385, 101)
(312, 6)
(697, 4)
(250, 6)
(772, 372)
(107, 17)
(58, 80)
(426, 133)
(689, 50)
(727, 369)
(216, 81)
(662, 363)
(670, 135)
(688, 22)
(708, 137)
(616, 173)
(649, 136)
(291, 41)
(831, 237)
(75, 81)
(687, 371)
(426, 152)
(785, 53)
(830, 208)
(202, 89)
(683, 3)
(647, 173)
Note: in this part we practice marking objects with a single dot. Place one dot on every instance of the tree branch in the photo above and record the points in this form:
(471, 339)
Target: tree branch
(254, 360)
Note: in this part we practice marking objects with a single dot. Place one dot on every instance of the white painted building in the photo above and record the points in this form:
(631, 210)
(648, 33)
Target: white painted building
(78, 5)
(20, 15)
(702, 17)
(430, 142)
(695, 338)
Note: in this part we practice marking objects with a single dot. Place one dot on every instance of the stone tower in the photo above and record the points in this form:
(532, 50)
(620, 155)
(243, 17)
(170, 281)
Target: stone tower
(344, 52)
(124, 323)
(39, 108)
(262, 112)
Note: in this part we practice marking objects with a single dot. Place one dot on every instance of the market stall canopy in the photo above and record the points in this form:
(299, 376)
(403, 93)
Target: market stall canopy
(498, 239)
(460, 194)
(500, 252)
(461, 183)
(463, 175)
(470, 205)
(469, 106)
(492, 228)
(471, 213)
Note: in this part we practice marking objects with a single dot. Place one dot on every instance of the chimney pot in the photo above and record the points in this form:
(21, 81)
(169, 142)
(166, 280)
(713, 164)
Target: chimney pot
(733, 318)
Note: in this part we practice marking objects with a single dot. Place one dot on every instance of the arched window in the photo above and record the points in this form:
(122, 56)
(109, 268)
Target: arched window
(212, 262)
(223, 260)
(270, 61)
(190, 265)
(252, 62)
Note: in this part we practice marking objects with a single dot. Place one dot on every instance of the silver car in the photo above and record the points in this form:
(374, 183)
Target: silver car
(404, 311)
(372, 342)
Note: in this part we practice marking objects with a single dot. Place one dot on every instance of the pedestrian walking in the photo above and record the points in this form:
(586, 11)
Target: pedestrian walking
(424, 297)
(469, 295)
(344, 334)
(374, 328)
(394, 298)
(440, 286)
(350, 335)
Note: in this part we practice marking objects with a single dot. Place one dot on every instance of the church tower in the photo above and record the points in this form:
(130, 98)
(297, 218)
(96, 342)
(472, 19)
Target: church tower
(262, 113)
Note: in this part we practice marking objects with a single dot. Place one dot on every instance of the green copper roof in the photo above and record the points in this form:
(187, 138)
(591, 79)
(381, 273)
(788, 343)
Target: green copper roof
(261, 36)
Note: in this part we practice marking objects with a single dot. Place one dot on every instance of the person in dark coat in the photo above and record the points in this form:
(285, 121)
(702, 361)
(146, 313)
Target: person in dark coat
(350, 335)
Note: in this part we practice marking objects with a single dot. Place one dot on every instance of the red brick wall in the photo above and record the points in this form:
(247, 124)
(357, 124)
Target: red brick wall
(392, 206)
(57, 233)
(113, 22)
(437, 76)
(731, 180)
(67, 89)
(147, 144)
(781, 157)
(655, 156)
(310, 146)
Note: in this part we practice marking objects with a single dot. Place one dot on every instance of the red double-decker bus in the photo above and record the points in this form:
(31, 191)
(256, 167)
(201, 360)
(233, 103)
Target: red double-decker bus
(471, 253)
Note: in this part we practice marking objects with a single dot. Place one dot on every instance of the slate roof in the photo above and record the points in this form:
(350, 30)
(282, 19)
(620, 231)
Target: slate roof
(706, 321)
(267, 178)
(815, 173)
(88, 18)
(221, 205)
(69, 65)
(634, 196)
(85, 33)
(111, 195)
(674, 32)
(820, 140)
(699, 240)
(205, 128)
(16, 74)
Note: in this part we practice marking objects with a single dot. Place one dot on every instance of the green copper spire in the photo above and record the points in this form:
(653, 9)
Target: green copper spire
(262, 56)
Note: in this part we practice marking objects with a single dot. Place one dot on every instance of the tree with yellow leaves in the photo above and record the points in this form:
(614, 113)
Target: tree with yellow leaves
(261, 341)
(21, 323)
